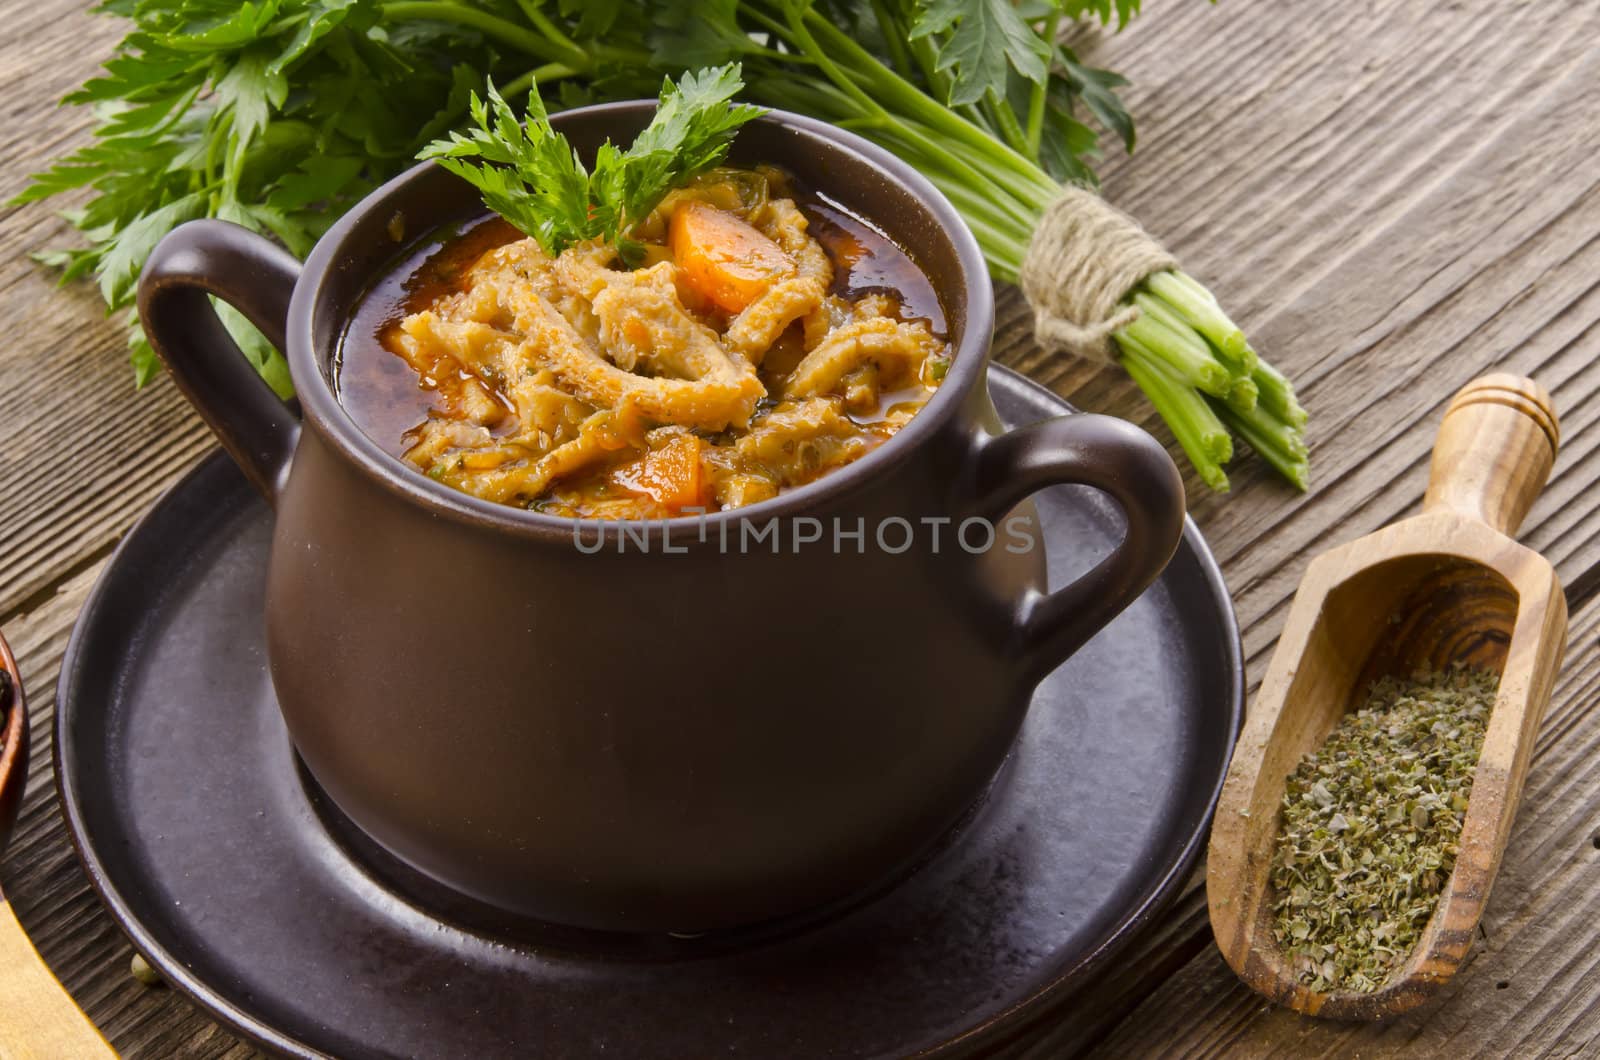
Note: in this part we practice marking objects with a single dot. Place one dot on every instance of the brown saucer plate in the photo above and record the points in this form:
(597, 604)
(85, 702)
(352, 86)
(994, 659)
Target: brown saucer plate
(234, 877)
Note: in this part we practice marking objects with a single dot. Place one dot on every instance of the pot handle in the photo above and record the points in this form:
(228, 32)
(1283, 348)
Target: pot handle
(1118, 459)
(256, 277)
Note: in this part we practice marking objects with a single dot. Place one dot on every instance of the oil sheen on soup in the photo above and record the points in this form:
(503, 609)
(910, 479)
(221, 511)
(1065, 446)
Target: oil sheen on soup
(746, 341)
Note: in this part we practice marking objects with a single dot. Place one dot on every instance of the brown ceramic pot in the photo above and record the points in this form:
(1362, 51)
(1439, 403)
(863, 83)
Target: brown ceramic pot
(681, 735)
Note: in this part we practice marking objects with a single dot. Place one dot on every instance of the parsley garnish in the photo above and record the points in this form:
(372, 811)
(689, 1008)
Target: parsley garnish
(529, 174)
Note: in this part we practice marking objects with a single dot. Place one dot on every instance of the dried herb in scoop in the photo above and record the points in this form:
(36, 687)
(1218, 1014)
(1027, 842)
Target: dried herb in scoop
(1371, 824)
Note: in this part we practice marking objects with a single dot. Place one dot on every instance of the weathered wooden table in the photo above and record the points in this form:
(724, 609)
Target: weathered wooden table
(1391, 196)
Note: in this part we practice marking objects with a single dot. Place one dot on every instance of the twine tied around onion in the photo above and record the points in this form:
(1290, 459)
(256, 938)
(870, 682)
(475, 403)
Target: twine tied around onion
(1084, 258)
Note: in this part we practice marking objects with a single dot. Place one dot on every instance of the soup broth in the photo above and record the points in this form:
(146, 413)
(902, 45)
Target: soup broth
(747, 342)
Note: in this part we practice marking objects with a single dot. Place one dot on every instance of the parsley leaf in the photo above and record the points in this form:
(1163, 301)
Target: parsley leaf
(1098, 90)
(529, 174)
(986, 36)
(694, 124)
(700, 34)
(1104, 10)
(124, 256)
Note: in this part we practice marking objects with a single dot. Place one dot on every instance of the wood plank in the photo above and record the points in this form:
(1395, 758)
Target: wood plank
(93, 453)
(1531, 984)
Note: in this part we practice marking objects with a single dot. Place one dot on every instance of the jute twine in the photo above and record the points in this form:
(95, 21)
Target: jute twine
(1084, 257)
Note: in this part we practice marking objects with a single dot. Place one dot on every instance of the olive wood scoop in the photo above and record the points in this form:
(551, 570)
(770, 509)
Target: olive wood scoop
(1446, 586)
(38, 1018)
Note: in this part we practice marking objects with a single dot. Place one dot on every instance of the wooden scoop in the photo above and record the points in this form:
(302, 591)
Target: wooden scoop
(38, 1018)
(1447, 586)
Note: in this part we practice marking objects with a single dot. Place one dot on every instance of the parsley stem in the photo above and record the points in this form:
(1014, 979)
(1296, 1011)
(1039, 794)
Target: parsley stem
(1000, 221)
(997, 219)
(775, 26)
(1193, 422)
(1196, 304)
(1243, 395)
(221, 127)
(510, 33)
(918, 104)
(994, 234)
(893, 38)
(1191, 361)
(619, 55)
(965, 172)
(1277, 394)
(531, 12)
(763, 52)
(1038, 94)
(1005, 119)
(1153, 307)
(962, 168)
(848, 85)
(938, 81)
(539, 75)
(1279, 444)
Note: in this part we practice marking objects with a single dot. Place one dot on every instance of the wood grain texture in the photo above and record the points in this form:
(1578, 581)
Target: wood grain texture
(1440, 589)
(1495, 449)
(100, 453)
(1391, 197)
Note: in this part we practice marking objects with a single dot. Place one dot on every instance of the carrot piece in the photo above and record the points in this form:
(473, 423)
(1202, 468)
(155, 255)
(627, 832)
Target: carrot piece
(724, 257)
(671, 475)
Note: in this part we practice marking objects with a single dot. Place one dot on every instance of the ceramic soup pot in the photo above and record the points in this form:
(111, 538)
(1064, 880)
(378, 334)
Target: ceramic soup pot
(680, 725)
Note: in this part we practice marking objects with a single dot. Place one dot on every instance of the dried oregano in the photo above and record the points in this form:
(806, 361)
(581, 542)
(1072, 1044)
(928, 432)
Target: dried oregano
(1371, 824)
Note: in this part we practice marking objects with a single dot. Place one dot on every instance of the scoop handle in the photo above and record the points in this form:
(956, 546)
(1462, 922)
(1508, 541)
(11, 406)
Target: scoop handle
(1496, 447)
